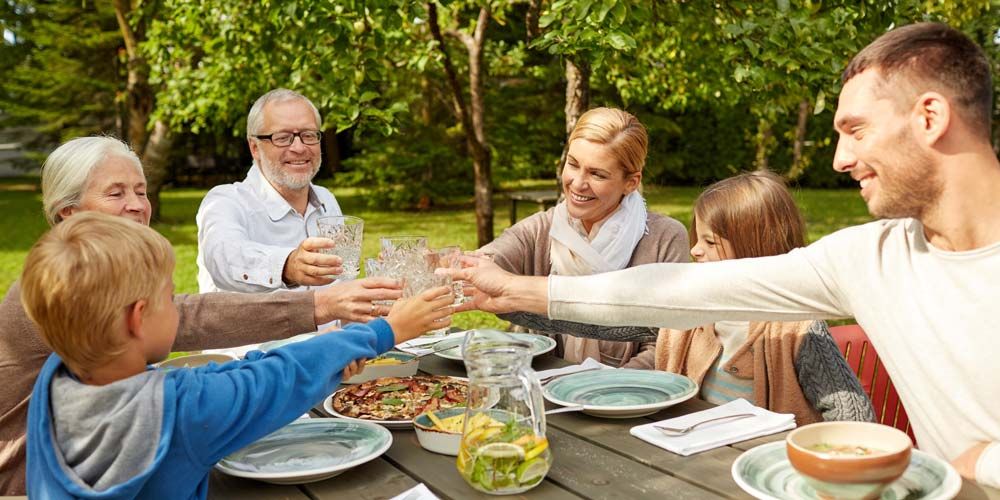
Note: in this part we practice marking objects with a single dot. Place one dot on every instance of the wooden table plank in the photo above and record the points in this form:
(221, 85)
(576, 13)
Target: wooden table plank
(610, 475)
(709, 469)
(224, 486)
(375, 480)
(438, 472)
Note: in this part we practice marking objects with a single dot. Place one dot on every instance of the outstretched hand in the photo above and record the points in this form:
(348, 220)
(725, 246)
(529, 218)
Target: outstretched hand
(354, 301)
(306, 265)
(490, 287)
(413, 316)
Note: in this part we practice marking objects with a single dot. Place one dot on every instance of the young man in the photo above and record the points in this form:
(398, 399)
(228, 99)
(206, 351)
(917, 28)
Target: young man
(103, 424)
(914, 125)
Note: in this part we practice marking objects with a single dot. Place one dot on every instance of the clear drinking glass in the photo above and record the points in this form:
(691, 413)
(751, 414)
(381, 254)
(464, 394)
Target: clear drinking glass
(449, 258)
(347, 232)
(375, 268)
(503, 449)
(396, 250)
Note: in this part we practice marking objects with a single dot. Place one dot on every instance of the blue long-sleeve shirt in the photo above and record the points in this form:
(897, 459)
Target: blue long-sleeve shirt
(158, 434)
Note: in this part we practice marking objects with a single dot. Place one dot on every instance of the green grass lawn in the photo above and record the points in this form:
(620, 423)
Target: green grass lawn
(22, 222)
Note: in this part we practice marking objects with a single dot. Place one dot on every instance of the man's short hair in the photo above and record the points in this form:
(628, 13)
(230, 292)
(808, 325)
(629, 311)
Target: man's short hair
(255, 119)
(925, 57)
(80, 278)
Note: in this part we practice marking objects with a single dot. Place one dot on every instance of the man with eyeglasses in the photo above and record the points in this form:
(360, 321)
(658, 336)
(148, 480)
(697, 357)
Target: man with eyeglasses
(260, 235)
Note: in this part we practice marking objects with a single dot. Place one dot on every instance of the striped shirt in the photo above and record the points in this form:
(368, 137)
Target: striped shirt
(719, 386)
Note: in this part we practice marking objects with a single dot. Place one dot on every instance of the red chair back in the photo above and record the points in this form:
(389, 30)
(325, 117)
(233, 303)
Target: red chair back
(864, 361)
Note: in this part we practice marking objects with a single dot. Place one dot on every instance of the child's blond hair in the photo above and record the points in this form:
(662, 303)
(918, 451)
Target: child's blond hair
(80, 278)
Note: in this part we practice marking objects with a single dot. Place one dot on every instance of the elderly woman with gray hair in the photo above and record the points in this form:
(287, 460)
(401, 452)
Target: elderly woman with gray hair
(103, 174)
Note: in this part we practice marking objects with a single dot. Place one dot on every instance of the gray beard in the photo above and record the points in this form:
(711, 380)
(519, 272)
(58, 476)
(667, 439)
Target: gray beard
(282, 179)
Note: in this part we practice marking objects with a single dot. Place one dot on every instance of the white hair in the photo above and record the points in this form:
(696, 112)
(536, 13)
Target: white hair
(66, 170)
(255, 119)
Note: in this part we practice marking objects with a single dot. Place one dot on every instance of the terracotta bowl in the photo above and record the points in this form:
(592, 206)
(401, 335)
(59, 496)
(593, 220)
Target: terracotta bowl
(848, 460)
(436, 440)
(195, 360)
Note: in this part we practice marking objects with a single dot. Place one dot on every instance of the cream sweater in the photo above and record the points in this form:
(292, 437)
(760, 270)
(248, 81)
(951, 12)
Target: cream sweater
(929, 313)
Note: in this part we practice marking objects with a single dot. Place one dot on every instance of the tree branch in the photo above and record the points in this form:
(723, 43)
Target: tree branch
(458, 101)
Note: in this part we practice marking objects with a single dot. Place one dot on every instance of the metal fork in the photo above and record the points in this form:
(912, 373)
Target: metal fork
(673, 431)
(550, 378)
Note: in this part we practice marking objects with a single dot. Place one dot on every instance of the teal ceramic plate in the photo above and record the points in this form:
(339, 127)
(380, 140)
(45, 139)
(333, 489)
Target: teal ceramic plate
(274, 344)
(308, 450)
(451, 346)
(621, 393)
(766, 473)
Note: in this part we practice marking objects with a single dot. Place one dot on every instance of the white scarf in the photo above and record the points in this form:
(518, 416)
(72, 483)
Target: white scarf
(610, 249)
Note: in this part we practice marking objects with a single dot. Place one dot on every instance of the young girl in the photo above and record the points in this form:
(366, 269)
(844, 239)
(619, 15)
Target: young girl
(787, 367)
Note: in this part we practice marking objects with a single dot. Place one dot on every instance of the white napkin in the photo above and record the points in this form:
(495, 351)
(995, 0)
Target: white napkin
(418, 492)
(587, 364)
(715, 434)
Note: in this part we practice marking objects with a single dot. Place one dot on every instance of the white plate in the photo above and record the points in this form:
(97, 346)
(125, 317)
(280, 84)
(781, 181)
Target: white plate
(765, 472)
(388, 424)
(274, 344)
(540, 344)
(620, 393)
(308, 450)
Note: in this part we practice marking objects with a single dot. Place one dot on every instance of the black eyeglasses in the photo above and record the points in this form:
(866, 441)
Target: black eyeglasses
(285, 139)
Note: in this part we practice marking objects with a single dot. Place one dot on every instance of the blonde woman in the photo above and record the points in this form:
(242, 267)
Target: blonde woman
(601, 225)
(788, 367)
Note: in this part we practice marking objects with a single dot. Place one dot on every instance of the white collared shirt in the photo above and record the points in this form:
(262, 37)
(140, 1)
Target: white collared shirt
(246, 231)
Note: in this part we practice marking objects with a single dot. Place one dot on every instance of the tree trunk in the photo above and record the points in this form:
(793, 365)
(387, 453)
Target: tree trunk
(153, 149)
(798, 162)
(577, 101)
(331, 152)
(531, 19)
(764, 135)
(471, 116)
(155, 162)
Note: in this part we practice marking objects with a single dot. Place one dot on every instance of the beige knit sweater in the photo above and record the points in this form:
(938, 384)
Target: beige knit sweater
(524, 249)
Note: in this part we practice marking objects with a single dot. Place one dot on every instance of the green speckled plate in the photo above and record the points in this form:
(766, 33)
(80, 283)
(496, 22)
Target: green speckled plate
(308, 450)
(621, 393)
(766, 473)
(451, 347)
(274, 344)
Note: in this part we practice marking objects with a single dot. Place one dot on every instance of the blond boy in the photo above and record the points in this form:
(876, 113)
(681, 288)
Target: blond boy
(102, 424)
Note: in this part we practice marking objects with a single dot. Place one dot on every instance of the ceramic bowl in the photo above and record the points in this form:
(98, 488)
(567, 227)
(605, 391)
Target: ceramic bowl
(407, 368)
(849, 460)
(195, 360)
(436, 440)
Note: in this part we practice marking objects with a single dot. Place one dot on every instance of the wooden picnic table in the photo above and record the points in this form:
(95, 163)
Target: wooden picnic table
(544, 199)
(593, 458)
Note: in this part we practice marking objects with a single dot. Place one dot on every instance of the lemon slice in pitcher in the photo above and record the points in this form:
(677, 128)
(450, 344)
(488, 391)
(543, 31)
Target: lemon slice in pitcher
(532, 471)
(501, 450)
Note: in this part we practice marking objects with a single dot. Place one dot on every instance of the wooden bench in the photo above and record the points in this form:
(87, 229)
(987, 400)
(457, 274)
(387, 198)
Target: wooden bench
(544, 199)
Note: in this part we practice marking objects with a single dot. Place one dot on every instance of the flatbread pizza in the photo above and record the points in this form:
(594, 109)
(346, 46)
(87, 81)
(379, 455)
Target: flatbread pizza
(399, 398)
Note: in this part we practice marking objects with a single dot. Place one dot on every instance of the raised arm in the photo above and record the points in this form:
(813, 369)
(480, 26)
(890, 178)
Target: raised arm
(226, 319)
(544, 325)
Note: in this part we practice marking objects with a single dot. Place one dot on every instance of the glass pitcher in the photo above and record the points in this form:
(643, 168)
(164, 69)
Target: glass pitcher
(503, 449)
